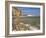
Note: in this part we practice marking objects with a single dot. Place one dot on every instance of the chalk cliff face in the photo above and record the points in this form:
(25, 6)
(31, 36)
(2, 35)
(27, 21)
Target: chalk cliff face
(16, 12)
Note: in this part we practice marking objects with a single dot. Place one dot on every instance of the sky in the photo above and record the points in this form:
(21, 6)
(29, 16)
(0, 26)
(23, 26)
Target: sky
(30, 10)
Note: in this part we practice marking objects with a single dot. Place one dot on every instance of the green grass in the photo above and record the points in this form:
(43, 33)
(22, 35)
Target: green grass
(33, 21)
